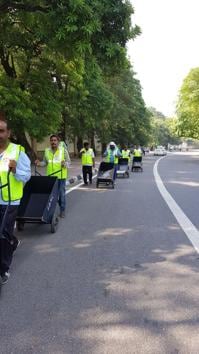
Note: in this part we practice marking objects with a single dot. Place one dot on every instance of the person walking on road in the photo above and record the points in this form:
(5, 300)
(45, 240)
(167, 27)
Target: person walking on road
(88, 162)
(126, 154)
(137, 152)
(56, 159)
(14, 161)
(112, 154)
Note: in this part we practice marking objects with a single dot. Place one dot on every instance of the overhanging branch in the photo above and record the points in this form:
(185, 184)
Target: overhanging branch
(8, 6)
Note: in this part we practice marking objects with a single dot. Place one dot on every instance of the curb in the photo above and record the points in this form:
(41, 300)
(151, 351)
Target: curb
(75, 179)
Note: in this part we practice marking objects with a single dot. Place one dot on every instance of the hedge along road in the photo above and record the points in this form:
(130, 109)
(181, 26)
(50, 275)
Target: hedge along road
(119, 276)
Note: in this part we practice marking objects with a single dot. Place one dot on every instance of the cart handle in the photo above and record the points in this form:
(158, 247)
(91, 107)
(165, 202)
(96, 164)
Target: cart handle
(7, 185)
(55, 172)
(36, 172)
(39, 174)
(8, 180)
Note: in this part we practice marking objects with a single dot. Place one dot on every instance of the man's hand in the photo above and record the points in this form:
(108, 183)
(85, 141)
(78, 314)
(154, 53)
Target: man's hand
(63, 163)
(12, 166)
(37, 162)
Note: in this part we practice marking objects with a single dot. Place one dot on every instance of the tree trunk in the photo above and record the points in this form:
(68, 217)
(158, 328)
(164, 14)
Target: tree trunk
(103, 148)
(75, 146)
(20, 138)
(34, 146)
(93, 142)
(79, 143)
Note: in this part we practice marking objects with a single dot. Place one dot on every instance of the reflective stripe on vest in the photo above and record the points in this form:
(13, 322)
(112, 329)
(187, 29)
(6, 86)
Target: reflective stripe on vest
(112, 153)
(16, 187)
(54, 163)
(87, 157)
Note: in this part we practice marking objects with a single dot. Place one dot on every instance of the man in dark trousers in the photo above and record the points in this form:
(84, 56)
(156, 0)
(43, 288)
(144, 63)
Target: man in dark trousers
(88, 162)
(56, 159)
(14, 160)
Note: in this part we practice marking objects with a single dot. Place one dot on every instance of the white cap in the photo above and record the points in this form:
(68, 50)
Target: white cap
(112, 143)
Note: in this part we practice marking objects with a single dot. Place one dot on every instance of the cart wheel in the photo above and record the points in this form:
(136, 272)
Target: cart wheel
(20, 225)
(54, 222)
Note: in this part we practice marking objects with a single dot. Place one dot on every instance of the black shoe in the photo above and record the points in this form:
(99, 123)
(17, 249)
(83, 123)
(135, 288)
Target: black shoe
(85, 183)
(5, 277)
(90, 182)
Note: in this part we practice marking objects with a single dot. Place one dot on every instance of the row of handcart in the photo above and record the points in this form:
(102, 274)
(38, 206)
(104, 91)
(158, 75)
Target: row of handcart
(39, 204)
(106, 170)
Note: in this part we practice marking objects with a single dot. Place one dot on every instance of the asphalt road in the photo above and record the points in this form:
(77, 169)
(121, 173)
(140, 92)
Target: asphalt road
(119, 276)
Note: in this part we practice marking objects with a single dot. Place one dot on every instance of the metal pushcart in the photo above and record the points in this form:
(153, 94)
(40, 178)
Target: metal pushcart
(123, 167)
(105, 174)
(39, 204)
(137, 164)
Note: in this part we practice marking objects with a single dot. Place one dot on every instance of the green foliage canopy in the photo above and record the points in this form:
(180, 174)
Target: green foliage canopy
(163, 129)
(188, 106)
(64, 63)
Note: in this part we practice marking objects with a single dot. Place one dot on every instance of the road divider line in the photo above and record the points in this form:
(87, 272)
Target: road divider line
(185, 223)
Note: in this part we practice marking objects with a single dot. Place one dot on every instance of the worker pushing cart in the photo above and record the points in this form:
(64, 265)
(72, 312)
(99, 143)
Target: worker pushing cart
(14, 173)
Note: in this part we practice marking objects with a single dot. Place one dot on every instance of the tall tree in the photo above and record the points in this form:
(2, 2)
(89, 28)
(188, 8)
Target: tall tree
(57, 60)
(188, 106)
(163, 129)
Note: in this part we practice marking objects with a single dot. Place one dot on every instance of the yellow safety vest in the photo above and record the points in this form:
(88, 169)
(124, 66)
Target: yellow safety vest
(137, 153)
(108, 157)
(54, 163)
(126, 154)
(16, 187)
(22, 148)
(87, 157)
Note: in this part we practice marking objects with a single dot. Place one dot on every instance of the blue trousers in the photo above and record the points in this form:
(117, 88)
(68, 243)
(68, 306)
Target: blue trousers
(62, 194)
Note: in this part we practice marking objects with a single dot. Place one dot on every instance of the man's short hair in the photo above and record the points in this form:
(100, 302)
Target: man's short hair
(54, 136)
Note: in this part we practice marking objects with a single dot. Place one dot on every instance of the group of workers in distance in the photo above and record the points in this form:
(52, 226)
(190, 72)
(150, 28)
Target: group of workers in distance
(113, 153)
(16, 164)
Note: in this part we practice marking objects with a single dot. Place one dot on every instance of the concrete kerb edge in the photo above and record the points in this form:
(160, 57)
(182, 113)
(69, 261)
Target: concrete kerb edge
(75, 179)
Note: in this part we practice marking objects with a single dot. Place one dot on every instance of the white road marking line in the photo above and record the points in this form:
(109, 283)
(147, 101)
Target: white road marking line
(189, 229)
(77, 186)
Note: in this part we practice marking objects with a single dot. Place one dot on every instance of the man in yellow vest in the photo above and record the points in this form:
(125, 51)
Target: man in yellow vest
(126, 154)
(112, 155)
(56, 159)
(88, 162)
(12, 159)
(137, 152)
